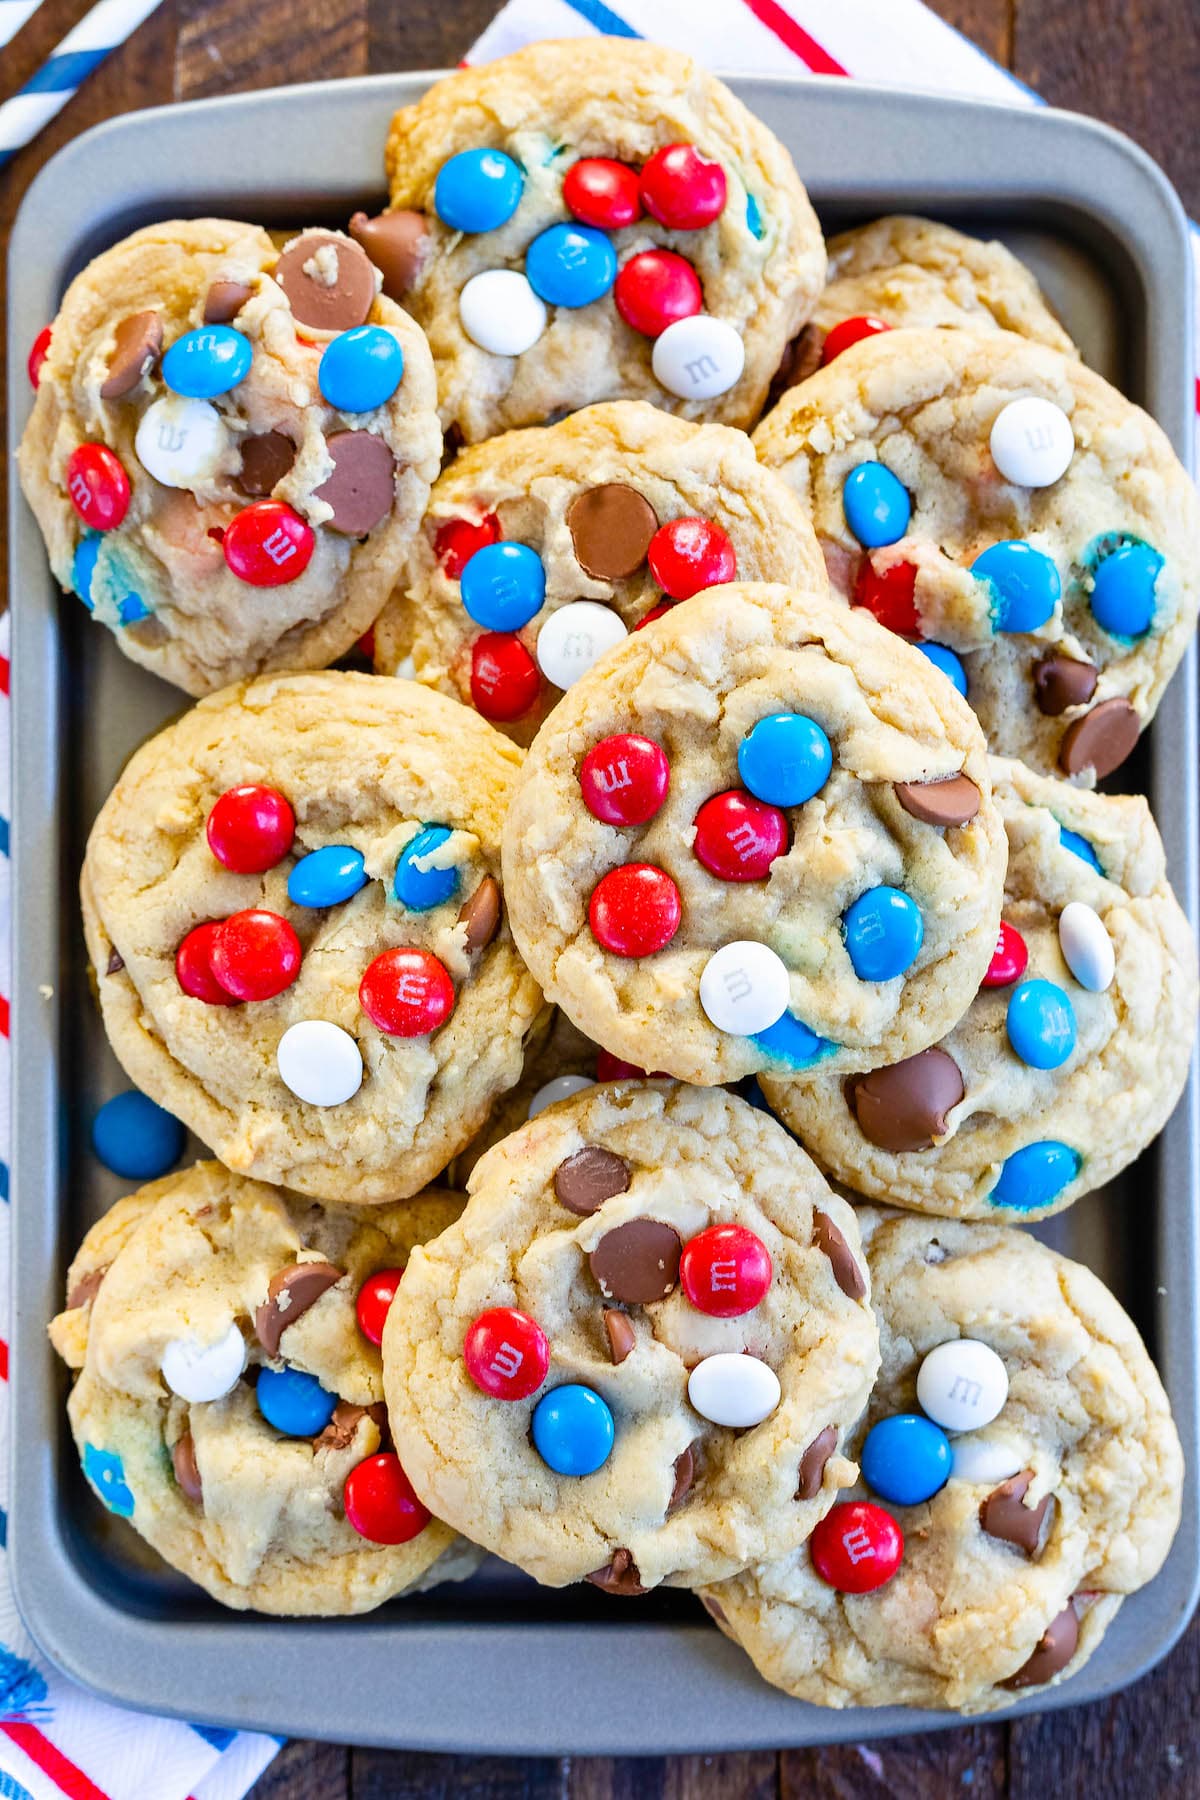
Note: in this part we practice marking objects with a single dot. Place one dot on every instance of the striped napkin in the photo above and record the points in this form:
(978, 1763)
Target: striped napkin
(56, 1740)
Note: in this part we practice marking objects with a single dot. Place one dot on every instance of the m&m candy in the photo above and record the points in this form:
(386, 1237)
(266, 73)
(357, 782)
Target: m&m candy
(380, 1503)
(181, 442)
(1079, 846)
(735, 1389)
(250, 828)
(884, 932)
(725, 1270)
(744, 988)
(478, 190)
(328, 876)
(456, 542)
(682, 189)
(1032, 442)
(983, 1462)
(791, 1041)
(686, 555)
(207, 362)
(39, 350)
(785, 759)
(319, 1062)
(876, 504)
(194, 970)
(624, 779)
(949, 664)
(374, 1301)
(889, 595)
(255, 954)
(1009, 958)
(856, 1547)
(570, 265)
(574, 637)
(98, 486)
(839, 337)
(505, 680)
(135, 1138)
(293, 1401)
(962, 1384)
(198, 1372)
(573, 1430)
(506, 1353)
(738, 837)
(1086, 946)
(1036, 1175)
(906, 1459)
(503, 586)
(1024, 585)
(421, 881)
(1122, 596)
(361, 369)
(1041, 1024)
(406, 993)
(500, 312)
(698, 358)
(268, 544)
(635, 910)
(657, 288)
(599, 191)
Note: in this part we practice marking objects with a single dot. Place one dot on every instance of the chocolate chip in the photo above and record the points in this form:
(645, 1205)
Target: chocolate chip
(812, 1463)
(714, 1609)
(904, 1106)
(290, 1294)
(116, 963)
(801, 358)
(481, 915)
(585, 1180)
(953, 801)
(1003, 1514)
(266, 459)
(225, 300)
(87, 1287)
(397, 243)
(339, 1433)
(1055, 1648)
(1060, 682)
(187, 1470)
(1100, 740)
(621, 1337)
(611, 527)
(685, 1470)
(363, 484)
(620, 1576)
(138, 346)
(637, 1262)
(329, 282)
(846, 1271)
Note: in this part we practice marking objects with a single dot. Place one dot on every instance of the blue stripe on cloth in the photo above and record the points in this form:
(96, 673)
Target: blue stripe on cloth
(3, 1529)
(603, 18)
(3, 1181)
(63, 73)
(3, 837)
(216, 1735)
(11, 1789)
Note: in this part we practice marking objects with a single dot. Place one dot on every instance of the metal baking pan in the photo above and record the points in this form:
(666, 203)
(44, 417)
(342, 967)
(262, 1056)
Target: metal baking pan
(500, 1665)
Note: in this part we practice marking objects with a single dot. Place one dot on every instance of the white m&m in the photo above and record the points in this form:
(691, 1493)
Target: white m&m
(575, 637)
(744, 988)
(181, 442)
(979, 1460)
(733, 1389)
(1032, 442)
(319, 1062)
(500, 312)
(1086, 946)
(698, 358)
(561, 1088)
(198, 1372)
(962, 1385)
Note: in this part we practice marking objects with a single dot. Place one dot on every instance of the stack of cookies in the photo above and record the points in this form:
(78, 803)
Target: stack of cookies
(631, 913)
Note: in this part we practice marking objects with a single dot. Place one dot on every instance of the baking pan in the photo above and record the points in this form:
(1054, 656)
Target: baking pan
(500, 1665)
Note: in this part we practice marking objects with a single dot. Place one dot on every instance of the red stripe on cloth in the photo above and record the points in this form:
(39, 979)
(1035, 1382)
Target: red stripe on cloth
(3, 1360)
(3, 1016)
(797, 40)
(3, 674)
(1198, 393)
(51, 1761)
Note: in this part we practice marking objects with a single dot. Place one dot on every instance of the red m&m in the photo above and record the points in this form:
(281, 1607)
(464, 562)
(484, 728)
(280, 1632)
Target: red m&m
(654, 289)
(506, 1353)
(686, 555)
(194, 970)
(889, 596)
(725, 1270)
(624, 779)
(255, 954)
(458, 540)
(599, 191)
(406, 993)
(375, 1296)
(39, 350)
(505, 680)
(98, 486)
(379, 1501)
(268, 544)
(681, 189)
(847, 332)
(250, 829)
(739, 837)
(856, 1547)
(1009, 958)
(635, 910)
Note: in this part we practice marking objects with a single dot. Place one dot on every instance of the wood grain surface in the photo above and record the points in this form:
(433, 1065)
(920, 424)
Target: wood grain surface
(1135, 63)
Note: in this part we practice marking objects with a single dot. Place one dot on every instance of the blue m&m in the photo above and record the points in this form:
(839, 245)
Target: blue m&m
(948, 663)
(1041, 1024)
(83, 566)
(571, 265)
(785, 759)
(876, 504)
(478, 190)
(1036, 1175)
(420, 888)
(793, 1042)
(573, 1430)
(208, 361)
(1079, 846)
(503, 586)
(327, 876)
(1024, 585)
(361, 369)
(1122, 597)
(906, 1459)
(135, 1138)
(884, 932)
(294, 1402)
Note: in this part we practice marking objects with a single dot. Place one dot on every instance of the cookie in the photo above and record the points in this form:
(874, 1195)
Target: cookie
(292, 904)
(1035, 1526)
(231, 447)
(586, 528)
(591, 220)
(907, 271)
(229, 1393)
(1072, 1055)
(1001, 503)
(757, 836)
(633, 1359)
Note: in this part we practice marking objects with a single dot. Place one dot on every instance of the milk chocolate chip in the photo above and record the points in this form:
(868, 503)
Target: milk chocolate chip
(637, 1262)
(397, 243)
(329, 282)
(621, 1338)
(116, 963)
(225, 300)
(714, 1609)
(611, 527)
(904, 1106)
(685, 1470)
(1060, 682)
(266, 458)
(290, 1294)
(954, 801)
(138, 346)
(1100, 740)
(87, 1287)
(620, 1576)
(1003, 1514)
(481, 915)
(1055, 1648)
(363, 484)
(187, 1471)
(846, 1271)
(339, 1433)
(812, 1463)
(589, 1177)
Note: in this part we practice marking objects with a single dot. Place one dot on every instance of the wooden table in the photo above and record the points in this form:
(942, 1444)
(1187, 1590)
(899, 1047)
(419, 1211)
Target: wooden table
(1135, 63)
